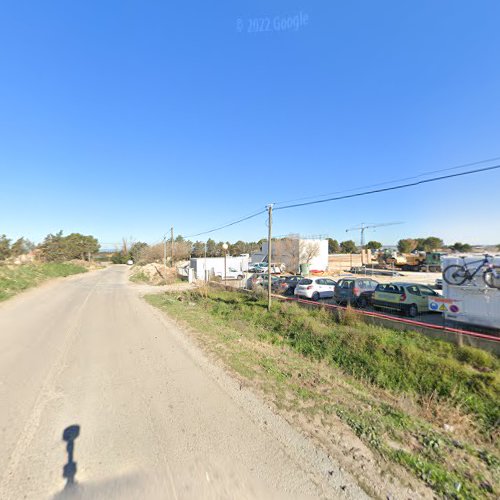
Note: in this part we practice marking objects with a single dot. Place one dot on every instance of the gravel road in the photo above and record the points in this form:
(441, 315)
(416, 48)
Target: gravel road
(156, 418)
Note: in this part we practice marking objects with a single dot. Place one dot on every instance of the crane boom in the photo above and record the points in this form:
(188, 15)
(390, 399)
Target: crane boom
(363, 227)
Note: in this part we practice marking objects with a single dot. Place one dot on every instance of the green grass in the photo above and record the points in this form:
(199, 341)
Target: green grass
(369, 369)
(16, 279)
(139, 277)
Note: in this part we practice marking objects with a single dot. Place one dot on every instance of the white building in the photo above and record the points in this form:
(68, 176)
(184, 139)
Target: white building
(214, 266)
(294, 252)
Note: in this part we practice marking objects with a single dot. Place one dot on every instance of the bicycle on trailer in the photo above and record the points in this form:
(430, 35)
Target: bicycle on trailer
(456, 274)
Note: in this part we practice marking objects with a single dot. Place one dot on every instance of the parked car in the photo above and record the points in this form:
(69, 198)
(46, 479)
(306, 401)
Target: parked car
(259, 267)
(274, 281)
(409, 298)
(357, 291)
(315, 288)
(254, 281)
(231, 274)
(262, 267)
(261, 280)
(286, 285)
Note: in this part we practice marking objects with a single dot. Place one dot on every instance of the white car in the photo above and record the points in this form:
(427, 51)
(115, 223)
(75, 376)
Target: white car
(259, 267)
(263, 267)
(315, 288)
(231, 274)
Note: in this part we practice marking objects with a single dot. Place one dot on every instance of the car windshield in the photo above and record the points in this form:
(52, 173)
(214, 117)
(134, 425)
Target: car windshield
(346, 283)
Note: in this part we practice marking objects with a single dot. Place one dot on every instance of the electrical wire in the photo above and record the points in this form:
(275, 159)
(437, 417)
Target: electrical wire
(391, 182)
(364, 193)
(392, 188)
(227, 225)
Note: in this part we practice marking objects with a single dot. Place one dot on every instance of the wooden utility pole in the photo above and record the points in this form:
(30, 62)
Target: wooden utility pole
(269, 253)
(165, 252)
(172, 246)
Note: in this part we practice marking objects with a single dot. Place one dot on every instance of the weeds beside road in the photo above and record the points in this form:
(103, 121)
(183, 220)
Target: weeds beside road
(14, 279)
(426, 405)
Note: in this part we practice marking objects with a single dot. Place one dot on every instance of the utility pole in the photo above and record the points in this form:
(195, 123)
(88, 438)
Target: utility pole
(172, 246)
(205, 266)
(165, 252)
(269, 253)
(225, 246)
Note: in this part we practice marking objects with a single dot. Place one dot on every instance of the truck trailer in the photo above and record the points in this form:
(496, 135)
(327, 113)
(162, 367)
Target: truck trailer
(419, 262)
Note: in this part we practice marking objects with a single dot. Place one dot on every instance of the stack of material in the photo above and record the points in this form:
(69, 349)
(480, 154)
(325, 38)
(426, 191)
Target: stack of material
(154, 274)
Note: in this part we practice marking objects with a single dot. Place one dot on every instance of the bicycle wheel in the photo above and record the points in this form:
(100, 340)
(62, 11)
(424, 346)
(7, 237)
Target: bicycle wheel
(489, 279)
(455, 275)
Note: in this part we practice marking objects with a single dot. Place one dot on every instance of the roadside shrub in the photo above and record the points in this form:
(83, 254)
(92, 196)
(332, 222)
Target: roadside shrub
(348, 316)
(477, 358)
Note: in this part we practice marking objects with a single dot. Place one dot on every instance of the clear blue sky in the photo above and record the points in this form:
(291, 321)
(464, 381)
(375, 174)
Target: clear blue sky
(121, 118)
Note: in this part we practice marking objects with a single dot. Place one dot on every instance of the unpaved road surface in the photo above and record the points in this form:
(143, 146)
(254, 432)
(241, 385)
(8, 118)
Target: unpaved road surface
(156, 419)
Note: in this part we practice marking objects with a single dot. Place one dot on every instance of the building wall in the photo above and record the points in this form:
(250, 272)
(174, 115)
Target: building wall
(216, 265)
(295, 250)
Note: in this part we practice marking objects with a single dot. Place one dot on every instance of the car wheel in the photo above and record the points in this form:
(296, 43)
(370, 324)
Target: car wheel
(362, 302)
(240, 276)
(412, 311)
(315, 296)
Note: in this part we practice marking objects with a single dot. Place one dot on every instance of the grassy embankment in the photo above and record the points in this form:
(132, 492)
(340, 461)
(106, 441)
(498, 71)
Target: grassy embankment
(14, 279)
(426, 405)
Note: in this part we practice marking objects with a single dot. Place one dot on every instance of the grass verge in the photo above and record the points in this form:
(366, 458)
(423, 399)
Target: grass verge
(15, 279)
(426, 405)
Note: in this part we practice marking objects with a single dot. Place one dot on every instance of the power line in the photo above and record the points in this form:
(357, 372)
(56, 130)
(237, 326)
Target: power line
(364, 193)
(391, 182)
(392, 188)
(229, 224)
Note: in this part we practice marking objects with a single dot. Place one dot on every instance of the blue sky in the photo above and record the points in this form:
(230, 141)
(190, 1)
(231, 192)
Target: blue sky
(122, 118)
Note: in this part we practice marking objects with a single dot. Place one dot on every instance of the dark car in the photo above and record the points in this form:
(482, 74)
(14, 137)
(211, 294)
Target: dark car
(286, 284)
(356, 291)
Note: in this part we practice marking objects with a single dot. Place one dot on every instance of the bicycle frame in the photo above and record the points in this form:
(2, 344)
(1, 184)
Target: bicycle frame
(483, 262)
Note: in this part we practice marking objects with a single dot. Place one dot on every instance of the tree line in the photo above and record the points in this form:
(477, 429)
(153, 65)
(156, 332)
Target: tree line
(349, 246)
(20, 247)
(406, 245)
(141, 252)
(54, 247)
(57, 247)
(181, 249)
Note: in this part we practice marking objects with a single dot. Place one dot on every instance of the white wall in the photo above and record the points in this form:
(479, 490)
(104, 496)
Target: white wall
(320, 262)
(216, 265)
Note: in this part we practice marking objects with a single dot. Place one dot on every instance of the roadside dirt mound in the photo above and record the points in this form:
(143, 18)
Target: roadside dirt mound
(153, 274)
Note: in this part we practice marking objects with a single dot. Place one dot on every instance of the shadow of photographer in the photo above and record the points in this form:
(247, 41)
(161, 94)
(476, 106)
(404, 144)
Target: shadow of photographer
(70, 468)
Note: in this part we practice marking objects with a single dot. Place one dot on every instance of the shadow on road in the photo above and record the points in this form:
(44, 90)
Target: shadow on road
(69, 469)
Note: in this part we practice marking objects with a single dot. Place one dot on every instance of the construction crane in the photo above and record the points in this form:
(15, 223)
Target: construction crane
(363, 227)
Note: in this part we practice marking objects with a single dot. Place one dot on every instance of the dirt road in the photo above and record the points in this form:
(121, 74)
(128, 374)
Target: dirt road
(156, 419)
